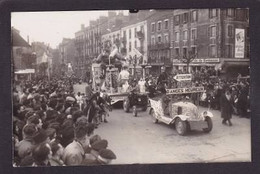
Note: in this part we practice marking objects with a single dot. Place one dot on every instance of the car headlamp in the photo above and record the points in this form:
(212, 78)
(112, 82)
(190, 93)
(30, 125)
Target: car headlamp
(188, 114)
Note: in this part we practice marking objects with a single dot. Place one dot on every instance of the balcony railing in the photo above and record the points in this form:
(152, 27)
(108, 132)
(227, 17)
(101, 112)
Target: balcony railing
(159, 46)
(159, 61)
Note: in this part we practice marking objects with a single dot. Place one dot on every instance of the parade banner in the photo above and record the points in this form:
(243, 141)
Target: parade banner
(239, 43)
(182, 77)
(185, 90)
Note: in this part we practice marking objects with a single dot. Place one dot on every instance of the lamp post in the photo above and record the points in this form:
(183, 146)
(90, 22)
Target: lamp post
(143, 65)
(135, 62)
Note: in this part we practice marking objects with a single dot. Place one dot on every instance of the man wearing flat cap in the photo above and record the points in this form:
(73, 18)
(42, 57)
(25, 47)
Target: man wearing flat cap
(94, 149)
(105, 157)
(74, 153)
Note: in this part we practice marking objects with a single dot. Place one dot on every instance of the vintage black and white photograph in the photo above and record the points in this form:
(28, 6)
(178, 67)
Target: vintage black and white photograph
(112, 87)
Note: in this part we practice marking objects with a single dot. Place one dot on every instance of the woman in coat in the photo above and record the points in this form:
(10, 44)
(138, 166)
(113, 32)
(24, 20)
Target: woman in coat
(226, 107)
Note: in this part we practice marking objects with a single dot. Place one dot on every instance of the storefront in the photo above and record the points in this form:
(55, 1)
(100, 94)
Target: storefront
(231, 68)
(25, 74)
(196, 65)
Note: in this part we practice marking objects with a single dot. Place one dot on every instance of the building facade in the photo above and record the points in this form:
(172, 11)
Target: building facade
(21, 52)
(209, 35)
(68, 55)
(159, 26)
(88, 40)
(203, 37)
(44, 66)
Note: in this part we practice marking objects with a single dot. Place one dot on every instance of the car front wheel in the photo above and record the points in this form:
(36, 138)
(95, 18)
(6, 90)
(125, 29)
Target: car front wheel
(181, 126)
(126, 105)
(210, 125)
(153, 116)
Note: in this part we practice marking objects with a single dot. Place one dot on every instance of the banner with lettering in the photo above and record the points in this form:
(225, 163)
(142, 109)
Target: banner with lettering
(185, 90)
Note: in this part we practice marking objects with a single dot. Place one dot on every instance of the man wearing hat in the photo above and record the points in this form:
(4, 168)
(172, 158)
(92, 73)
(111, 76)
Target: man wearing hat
(25, 146)
(74, 153)
(105, 157)
(95, 148)
(162, 80)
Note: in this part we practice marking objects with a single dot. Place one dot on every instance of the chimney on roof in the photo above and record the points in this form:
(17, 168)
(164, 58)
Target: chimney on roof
(28, 39)
(111, 14)
(103, 18)
(91, 23)
(82, 26)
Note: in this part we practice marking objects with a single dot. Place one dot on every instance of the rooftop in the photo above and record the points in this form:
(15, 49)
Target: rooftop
(17, 40)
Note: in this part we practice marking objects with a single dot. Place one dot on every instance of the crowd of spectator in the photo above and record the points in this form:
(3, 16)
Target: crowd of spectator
(50, 128)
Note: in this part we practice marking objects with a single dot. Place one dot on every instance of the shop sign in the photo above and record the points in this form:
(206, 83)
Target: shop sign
(212, 60)
(176, 61)
(239, 43)
(198, 61)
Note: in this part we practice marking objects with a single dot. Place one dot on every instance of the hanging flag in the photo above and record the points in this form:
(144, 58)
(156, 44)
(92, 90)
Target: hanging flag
(44, 58)
(137, 52)
(114, 51)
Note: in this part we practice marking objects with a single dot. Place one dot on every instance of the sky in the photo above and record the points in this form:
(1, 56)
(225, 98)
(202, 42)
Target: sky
(51, 27)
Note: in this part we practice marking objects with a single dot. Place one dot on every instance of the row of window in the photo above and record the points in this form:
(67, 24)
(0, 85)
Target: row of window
(184, 18)
(212, 51)
(240, 14)
(193, 17)
(185, 51)
(135, 32)
(160, 39)
(159, 25)
(130, 45)
(193, 35)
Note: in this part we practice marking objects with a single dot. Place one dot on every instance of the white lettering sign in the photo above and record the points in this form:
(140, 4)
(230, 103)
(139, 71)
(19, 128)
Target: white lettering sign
(212, 60)
(239, 43)
(182, 77)
(185, 90)
(198, 61)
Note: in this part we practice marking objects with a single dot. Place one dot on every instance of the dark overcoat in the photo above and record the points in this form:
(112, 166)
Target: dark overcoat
(226, 107)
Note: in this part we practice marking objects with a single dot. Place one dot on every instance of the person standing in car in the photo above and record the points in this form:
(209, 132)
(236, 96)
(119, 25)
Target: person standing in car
(162, 81)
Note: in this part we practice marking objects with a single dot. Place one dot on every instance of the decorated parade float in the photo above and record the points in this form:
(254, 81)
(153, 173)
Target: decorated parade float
(105, 71)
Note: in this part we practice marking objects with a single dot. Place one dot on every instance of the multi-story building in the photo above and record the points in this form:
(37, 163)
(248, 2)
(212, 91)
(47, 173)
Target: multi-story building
(88, 39)
(67, 51)
(214, 37)
(21, 51)
(23, 59)
(159, 26)
(210, 35)
(134, 37)
(43, 58)
(80, 44)
(113, 37)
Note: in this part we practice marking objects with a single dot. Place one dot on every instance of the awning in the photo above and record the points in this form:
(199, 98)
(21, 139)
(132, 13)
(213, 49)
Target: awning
(25, 71)
(228, 64)
(224, 64)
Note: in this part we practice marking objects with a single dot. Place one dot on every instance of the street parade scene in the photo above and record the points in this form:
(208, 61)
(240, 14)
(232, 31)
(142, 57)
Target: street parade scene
(154, 86)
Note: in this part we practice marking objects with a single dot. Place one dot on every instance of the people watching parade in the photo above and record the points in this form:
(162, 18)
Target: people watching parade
(48, 123)
(48, 120)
